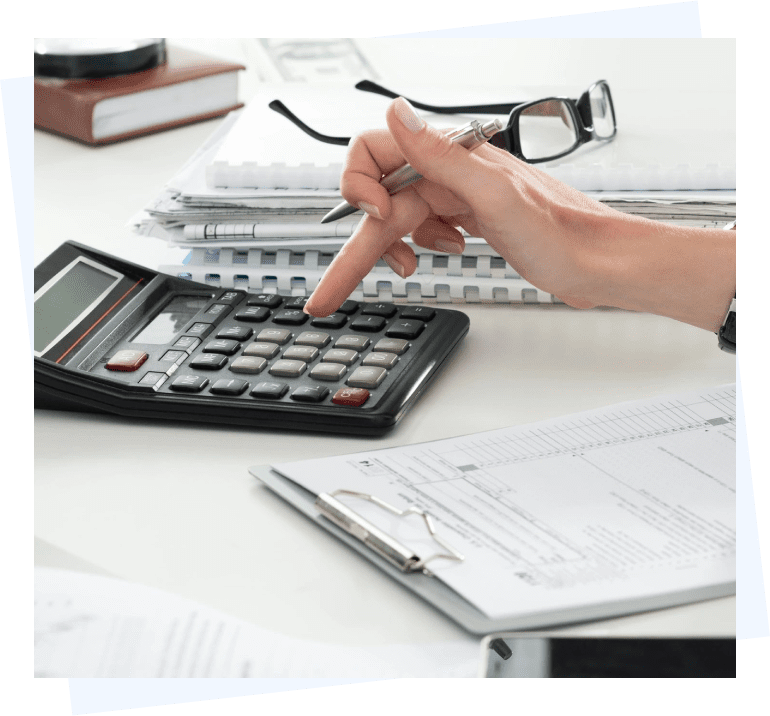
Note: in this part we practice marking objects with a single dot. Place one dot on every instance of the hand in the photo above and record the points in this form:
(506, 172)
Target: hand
(554, 236)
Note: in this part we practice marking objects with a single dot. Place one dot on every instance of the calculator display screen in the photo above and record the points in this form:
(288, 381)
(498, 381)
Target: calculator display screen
(67, 297)
(171, 320)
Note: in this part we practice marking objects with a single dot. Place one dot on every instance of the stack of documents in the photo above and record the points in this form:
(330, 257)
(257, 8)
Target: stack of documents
(248, 204)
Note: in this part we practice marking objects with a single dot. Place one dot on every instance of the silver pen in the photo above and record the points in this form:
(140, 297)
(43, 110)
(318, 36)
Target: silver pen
(470, 136)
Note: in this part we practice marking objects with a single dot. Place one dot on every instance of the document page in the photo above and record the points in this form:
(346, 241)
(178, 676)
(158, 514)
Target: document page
(614, 505)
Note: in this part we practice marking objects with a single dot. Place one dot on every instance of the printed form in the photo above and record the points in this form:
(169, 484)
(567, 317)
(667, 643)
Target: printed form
(612, 505)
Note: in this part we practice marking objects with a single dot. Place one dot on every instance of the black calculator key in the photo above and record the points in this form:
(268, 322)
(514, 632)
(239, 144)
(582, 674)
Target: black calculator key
(230, 297)
(405, 329)
(387, 310)
(290, 316)
(348, 307)
(154, 379)
(296, 302)
(336, 320)
(253, 314)
(421, 313)
(270, 390)
(218, 309)
(189, 383)
(199, 329)
(237, 333)
(310, 393)
(209, 361)
(174, 356)
(223, 346)
(269, 300)
(188, 343)
(370, 324)
(229, 386)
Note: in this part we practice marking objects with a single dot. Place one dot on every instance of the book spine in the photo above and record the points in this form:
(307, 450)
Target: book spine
(63, 112)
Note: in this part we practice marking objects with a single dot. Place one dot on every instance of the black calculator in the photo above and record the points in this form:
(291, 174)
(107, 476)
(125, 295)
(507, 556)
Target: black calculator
(115, 337)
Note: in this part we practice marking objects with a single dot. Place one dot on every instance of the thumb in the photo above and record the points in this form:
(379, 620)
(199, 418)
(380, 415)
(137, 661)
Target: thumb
(434, 155)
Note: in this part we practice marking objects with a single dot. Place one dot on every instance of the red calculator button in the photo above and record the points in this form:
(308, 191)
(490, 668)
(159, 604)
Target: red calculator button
(351, 397)
(127, 360)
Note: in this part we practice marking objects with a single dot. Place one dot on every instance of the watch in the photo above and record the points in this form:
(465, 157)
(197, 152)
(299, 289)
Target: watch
(726, 334)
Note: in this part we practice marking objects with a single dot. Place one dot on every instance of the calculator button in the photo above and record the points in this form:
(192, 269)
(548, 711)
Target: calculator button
(199, 329)
(391, 345)
(369, 377)
(349, 307)
(189, 383)
(274, 335)
(290, 316)
(310, 393)
(230, 297)
(309, 338)
(263, 350)
(269, 300)
(370, 324)
(127, 360)
(304, 353)
(229, 386)
(209, 361)
(421, 313)
(188, 343)
(218, 309)
(237, 333)
(405, 329)
(340, 355)
(223, 346)
(248, 364)
(288, 368)
(383, 360)
(154, 379)
(174, 356)
(356, 343)
(269, 390)
(387, 310)
(336, 320)
(296, 302)
(253, 314)
(351, 397)
(328, 371)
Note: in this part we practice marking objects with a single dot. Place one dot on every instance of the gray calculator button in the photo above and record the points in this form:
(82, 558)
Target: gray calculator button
(274, 335)
(288, 368)
(305, 353)
(383, 360)
(356, 343)
(248, 364)
(263, 350)
(312, 338)
(328, 371)
(391, 345)
(339, 355)
(367, 377)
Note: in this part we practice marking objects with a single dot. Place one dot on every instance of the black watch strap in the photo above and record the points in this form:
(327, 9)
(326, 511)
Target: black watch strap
(726, 333)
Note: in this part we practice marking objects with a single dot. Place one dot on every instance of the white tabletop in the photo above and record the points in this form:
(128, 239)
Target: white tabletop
(173, 505)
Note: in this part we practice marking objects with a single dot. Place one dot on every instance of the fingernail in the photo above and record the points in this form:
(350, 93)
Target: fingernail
(370, 209)
(451, 247)
(408, 117)
(395, 265)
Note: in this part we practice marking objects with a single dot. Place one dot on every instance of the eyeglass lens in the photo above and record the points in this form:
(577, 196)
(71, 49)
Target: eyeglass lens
(601, 110)
(547, 129)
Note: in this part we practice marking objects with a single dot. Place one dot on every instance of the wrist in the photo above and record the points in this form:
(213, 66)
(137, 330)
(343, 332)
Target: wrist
(684, 273)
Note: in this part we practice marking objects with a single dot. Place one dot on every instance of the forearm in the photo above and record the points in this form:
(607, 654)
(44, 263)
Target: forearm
(687, 274)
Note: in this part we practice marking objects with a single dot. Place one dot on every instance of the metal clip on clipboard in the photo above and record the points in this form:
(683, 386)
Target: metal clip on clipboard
(388, 548)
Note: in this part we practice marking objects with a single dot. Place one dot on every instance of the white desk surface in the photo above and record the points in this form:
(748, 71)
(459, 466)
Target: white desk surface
(173, 506)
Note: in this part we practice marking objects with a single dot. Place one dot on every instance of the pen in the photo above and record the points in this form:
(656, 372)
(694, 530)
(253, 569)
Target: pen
(470, 136)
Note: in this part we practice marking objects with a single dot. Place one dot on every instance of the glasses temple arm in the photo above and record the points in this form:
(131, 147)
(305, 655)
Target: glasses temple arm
(277, 106)
(374, 88)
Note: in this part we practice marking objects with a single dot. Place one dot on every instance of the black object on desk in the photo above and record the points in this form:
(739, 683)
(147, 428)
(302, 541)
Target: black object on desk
(115, 337)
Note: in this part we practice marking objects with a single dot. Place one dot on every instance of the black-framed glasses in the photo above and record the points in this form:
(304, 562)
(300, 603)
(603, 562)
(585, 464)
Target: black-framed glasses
(537, 131)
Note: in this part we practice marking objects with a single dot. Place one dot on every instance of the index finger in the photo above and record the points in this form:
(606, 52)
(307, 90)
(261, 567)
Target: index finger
(363, 249)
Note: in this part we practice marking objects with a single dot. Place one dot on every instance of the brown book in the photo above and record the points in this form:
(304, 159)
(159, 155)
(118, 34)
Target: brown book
(188, 87)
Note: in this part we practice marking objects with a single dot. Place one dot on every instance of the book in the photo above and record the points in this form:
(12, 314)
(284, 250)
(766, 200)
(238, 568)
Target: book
(188, 87)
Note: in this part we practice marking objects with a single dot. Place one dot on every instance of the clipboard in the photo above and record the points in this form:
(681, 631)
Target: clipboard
(411, 571)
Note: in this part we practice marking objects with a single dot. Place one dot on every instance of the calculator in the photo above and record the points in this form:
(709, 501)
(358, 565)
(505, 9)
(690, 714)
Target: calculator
(114, 337)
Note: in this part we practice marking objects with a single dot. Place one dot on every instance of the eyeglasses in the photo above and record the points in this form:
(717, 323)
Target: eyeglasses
(537, 131)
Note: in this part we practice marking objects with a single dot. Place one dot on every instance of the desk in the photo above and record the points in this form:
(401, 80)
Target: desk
(173, 506)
